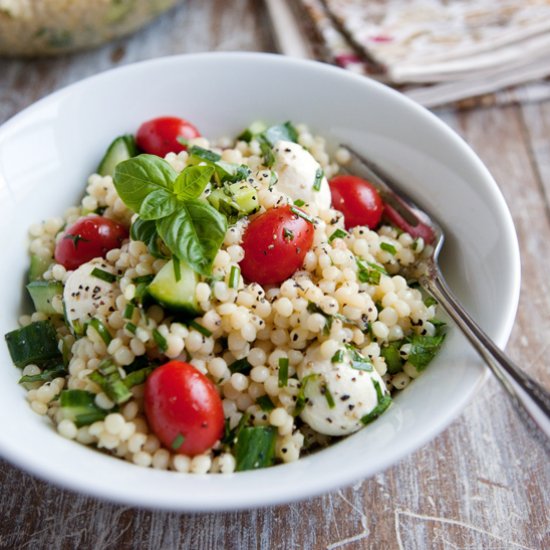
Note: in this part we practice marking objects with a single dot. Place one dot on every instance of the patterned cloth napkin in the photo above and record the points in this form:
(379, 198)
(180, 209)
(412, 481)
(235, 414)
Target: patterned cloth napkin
(465, 52)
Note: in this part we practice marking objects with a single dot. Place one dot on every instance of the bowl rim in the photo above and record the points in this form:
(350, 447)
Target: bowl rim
(340, 477)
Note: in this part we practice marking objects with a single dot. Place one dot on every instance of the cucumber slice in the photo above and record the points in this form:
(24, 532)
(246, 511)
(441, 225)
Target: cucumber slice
(254, 129)
(239, 199)
(38, 266)
(79, 406)
(176, 293)
(36, 343)
(42, 294)
(122, 148)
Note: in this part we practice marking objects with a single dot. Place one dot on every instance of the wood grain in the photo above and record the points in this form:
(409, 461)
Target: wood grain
(480, 484)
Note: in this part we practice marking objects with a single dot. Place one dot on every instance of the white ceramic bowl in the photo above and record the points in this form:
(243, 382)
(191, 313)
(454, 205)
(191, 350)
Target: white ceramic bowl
(48, 150)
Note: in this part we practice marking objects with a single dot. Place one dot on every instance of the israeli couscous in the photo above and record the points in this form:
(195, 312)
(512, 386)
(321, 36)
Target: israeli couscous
(221, 306)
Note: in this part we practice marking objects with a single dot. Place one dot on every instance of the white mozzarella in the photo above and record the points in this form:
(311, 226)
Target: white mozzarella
(353, 393)
(296, 169)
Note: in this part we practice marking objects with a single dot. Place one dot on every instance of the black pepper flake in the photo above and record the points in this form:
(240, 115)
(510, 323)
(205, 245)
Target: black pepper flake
(351, 407)
(284, 450)
(345, 397)
(329, 420)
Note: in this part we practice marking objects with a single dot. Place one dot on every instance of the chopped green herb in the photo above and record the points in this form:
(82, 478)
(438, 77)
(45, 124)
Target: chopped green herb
(234, 276)
(358, 361)
(103, 275)
(302, 214)
(283, 372)
(368, 272)
(301, 398)
(160, 340)
(384, 401)
(328, 397)
(390, 352)
(430, 301)
(288, 234)
(265, 403)
(319, 175)
(199, 328)
(130, 327)
(338, 357)
(102, 330)
(129, 311)
(240, 365)
(47, 375)
(388, 248)
(178, 442)
(143, 279)
(299, 202)
(338, 234)
(255, 447)
(137, 377)
(108, 378)
(424, 348)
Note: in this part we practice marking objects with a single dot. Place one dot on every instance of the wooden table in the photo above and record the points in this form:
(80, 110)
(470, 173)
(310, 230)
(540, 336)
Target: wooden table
(480, 484)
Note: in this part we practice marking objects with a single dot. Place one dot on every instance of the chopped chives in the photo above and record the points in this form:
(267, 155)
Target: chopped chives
(302, 214)
(301, 398)
(388, 248)
(143, 279)
(130, 327)
(160, 340)
(299, 202)
(319, 175)
(338, 234)
(329, 398)
(338, 357)
(178, 442)
(103, 275)
(265, 403)
(384, 401)
(283, 372)
(234, 277)
(240, 365)
(199, 328)
(177, 269)
(102, 330)
(128, 311)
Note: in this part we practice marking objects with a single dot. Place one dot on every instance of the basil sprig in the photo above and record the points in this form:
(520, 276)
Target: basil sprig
(169, 207)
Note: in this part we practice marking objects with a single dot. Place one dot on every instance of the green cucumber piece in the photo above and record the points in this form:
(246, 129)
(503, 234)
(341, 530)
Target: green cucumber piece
(79, 406)
(42, 294)
(254, 129)
(34, 344)
(255, 448)
(238, 197)
(38, 266)
(122, 148)
(176, 291)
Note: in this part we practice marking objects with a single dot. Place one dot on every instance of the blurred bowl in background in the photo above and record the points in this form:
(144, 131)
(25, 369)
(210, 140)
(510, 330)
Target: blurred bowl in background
(51, 27)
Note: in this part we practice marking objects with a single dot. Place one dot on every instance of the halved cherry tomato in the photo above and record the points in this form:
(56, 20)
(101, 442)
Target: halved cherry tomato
(159, 136)
(358, 200)
(88, 238)
(275, 244)
(183, 408)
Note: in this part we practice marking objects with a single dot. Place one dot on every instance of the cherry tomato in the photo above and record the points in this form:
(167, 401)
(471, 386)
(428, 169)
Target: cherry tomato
(358, 200)
(183, 408)
(88, 238)
(159, 136)
(275, 244)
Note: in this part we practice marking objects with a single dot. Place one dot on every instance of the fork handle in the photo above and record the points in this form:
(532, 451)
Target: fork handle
(532, 401)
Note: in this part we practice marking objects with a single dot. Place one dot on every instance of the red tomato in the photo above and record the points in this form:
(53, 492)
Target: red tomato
(88, 238)
(159, 136)
(275, 244)
(357, 199)
(183, 408)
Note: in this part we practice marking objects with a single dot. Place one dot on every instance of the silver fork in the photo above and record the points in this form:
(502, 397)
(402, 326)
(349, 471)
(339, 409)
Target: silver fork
(531, 400)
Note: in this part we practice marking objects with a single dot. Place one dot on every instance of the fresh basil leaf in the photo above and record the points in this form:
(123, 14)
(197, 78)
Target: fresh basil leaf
(194, 233)
(158, 204)
(285, 132)
(146, 231)
(424, 348)
(394, 361)
(192, 181)
(135, 178)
